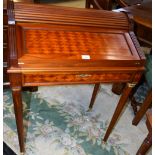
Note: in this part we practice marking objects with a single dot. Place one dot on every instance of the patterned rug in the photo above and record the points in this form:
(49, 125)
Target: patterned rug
(57, 122)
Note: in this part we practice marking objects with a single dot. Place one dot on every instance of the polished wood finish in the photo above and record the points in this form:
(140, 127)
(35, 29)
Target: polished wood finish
(147, 143)
(16, 94)
(99, 4)
(118, 110)
(6, 83)
(18, 107)
(51, 45)
(144, 107)
(95, 91)
(82, 77)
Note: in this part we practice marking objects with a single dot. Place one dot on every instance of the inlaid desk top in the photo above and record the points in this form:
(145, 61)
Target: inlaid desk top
(59, 39)
(59, 45)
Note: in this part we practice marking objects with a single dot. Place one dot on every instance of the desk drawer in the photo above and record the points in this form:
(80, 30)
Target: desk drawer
(46, 79)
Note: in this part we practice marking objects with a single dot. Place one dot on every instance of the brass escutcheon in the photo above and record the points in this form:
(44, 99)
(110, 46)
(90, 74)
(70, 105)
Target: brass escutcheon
(131, 85)
(83, 75)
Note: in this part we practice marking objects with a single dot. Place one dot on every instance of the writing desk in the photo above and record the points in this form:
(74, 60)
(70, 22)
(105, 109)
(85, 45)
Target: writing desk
(50, 45)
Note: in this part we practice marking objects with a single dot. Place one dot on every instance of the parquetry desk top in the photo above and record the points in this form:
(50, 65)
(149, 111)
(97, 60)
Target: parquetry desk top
(60, 38)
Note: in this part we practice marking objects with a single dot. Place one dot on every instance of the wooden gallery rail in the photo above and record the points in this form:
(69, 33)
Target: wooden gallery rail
(51, 45)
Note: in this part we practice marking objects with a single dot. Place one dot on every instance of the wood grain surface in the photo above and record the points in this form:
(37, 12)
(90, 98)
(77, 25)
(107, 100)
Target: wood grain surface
(59, 45)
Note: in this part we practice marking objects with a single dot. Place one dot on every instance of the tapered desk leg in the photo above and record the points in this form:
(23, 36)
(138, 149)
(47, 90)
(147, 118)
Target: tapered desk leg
(143, 108)
(95, 91)
(18, 108)
(118, 109)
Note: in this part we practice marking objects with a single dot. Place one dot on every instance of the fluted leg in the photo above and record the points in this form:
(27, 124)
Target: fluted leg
(147, 143)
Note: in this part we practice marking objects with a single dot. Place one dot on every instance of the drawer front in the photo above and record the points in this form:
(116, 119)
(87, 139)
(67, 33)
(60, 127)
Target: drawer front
(46, 79)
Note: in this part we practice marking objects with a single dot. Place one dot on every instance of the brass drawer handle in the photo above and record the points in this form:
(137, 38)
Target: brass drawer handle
(83, 75)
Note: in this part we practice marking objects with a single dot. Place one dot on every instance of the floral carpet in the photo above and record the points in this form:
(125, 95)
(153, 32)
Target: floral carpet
(57, 122)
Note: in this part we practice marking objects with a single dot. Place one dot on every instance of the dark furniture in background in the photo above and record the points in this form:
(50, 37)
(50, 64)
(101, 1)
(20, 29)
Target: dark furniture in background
(126, 3)
(147, 143)
(142, 16)
(144, 107)
(99, 4)
(143, 95)
(107, 4)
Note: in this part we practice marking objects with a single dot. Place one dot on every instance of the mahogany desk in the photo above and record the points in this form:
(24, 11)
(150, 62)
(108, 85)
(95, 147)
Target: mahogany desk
(51, 45)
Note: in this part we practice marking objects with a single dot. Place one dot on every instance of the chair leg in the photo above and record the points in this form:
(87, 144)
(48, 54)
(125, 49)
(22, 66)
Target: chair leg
(147, 143)
(134, 105)
(143, 108)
